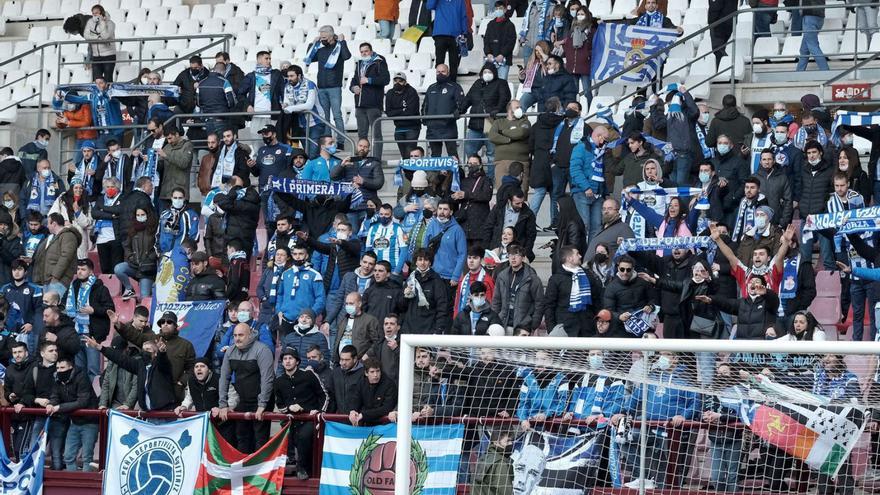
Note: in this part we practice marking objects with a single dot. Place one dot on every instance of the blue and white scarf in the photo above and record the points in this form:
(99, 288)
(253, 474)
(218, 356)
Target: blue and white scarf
(598, 162)
(667, 243)
(701, 138)
(854, 119)
(276, 277)
(118, 172)
(225, 165)
(789, 284)
(81, 173)
(100, 224)
(639, 323)
(302, 187)
(845, 222)
(331, 60)
(651, 19)
(466, 288)
(759, 144)
(123, 90)
(545, 9)
(680, 192)
(745, 216)
(429, 164)
(43, 194)
(800, 138)
(580, 297)
(77, 301)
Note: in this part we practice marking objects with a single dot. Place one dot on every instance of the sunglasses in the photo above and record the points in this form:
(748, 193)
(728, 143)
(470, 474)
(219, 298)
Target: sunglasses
(164, 322)
(624, 270)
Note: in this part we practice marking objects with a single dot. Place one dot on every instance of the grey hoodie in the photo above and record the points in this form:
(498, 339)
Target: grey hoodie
(254, 371)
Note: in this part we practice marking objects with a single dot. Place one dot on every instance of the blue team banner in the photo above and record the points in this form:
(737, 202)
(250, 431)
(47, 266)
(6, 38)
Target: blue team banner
(664, 243)
(361, 459)
(429, 164)
(622, 46)
(197, 321)
(302, 187)
(173, 277)
(639, 323)
(560, 464)
(846, 221)
(125, 89)
(26, 476)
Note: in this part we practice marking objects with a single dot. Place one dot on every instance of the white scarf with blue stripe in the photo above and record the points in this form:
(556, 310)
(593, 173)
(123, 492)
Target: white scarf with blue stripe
(76, 300)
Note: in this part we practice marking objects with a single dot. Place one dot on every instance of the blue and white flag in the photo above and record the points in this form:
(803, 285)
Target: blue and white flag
(545, 463)
(173, 277)
(664, 243)
(26, 476)
(148, 458)
(844, 222)
(196, 320)
(361, 459)
(623, 46)
(852, 119)
(677, 192)
(429, 164)
(639, 322)
(125, 89)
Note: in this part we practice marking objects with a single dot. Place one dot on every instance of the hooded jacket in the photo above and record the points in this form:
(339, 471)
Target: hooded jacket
(56, 258)
(486, 97)
(541, 142)
(461, 325)
(75, 393)
(301, 287)
(242, 208)
(180, 352)
(450, 17)
(433, 318)
(16, 382)
(302, 340)
(12, 177)
(303, 387)
(730, 122)
(680, 130)
(100, 28)
(401, 102)
(451, 252)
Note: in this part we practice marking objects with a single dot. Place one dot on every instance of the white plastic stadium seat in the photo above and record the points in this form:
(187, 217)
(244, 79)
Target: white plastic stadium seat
(258, 23)
(200, 12)
(270, 8)
(338, 6)
(828, 43)
(765, 47)
(328, 19)
(675, 67)
(31, 9)
(172, 3)
(129, 4)
(623, 7)
(157, 14)
(848, 45)
(304, 21)
(224, 11)
(738, 69)
(364, 6)
(166, 28)
(38, 34)
(189, 26)
(145, 28)
(281, 22)
(684, 50)
(293, 37)
(212, 26)
(247, 39)
(270, 37)
(235, 25)
(599, 8)
(126, 73)
(50, 8)
(404, 48)
(179, 13)
(351, 18)
(792, 46)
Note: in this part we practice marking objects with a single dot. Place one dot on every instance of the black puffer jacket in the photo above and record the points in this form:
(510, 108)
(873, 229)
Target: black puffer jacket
(17, 377)
(444, 98)
(433, 318)
(113, 212)
(753, 317)
(462, 323)
(186, 82)
(401, 102)
(75, 393)
(65, 337)
(343, 386)
(206, 286)
(500, 39)
(140, 252)
(622, 297)
(372, 93)
(242, 214)
(815, 188)
(375, 401)
(486, 97)
(382, 299)
(473, 209)
(556, 304)
(540, 142)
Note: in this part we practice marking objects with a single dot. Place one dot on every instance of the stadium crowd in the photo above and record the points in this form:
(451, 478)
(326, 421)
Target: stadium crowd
(339, 281)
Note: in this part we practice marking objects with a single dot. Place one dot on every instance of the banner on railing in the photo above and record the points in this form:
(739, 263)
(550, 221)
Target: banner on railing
(360, 459)
(226, 470)
(148, 458)
(558, 464)
(621, 46)
(197, 321)
(26, 476)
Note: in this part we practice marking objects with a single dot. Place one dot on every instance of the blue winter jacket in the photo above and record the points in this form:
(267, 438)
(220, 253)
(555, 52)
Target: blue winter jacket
(452, 253)
(188, 226)
(667, 397)
(307, 287)
(581, 168)
(597, 395)
(450, 17)
(867, 273)
(302, 342)
(550, 400)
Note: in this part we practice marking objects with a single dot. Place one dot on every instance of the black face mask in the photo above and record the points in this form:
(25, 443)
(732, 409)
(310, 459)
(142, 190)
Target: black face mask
(298, 262)
(427, 213)
(325, 42)
(600, 257)
(442, 78)
(384, 220)
(195, 72)
(371, 212)
(63, 376)
(268, 141)
(811, 129)
(571, 113)
(419, 192)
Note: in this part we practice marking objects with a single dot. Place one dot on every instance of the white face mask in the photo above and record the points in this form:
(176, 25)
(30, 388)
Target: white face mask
(177, 203)
(760, 222)
(45, 173)
(488, 76)
(141, 218)
(843, 168)
(663, 363)
(9, 204)
(780, 137)
(778, 114)
(342, 236)
(814, 161)
(582, 17)
(704, 118)
(117, 154)
(145, 80)
(551, 71)
(574, 14)
(595, 362)
(478, 301)
(517, 113)
(757, 128)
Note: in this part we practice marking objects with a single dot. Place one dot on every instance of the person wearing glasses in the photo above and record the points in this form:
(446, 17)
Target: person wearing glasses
(625, 295)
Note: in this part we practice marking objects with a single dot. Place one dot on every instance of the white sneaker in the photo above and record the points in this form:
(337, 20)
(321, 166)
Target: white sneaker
(634, 484)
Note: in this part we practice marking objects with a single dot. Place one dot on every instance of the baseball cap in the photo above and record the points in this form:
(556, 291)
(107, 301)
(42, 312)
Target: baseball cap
(400, 75)
(268, 128)
(604, 315)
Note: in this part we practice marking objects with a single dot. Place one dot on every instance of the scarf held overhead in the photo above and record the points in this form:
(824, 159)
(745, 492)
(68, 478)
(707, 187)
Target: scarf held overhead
(429, 164)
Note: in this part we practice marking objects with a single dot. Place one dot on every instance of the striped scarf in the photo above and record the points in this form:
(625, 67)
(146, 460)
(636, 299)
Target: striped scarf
(82, 173)
(416, 237)
(789, 285)
(745, 216)
(225, 165)
(331, 60)
(651, 19)
(800, 139)
(76, 300)
(580, 296)
(273, 291)
(465, 286)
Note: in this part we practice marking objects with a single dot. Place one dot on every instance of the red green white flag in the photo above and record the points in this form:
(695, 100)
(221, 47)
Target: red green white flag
(226, 471)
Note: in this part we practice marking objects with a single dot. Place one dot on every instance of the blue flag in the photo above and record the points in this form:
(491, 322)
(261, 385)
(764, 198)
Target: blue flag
(197, 321)
(622, 46)
(429, 164)
(26, 476)
(173, 277)
(360, 458)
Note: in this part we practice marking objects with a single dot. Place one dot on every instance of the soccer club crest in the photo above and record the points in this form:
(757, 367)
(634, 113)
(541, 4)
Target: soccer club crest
(374, 466)
(153, 466)
(634, 55)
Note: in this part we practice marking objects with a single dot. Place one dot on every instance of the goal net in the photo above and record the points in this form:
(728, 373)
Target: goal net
(575, 416)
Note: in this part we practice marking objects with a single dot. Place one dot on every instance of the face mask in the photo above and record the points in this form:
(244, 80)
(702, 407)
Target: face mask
(350, 309)
(779, 114)
(330, 149)
(399, 86)
(571, 113)
(427, 213)
(267, 141)
(499, 14)
(815, 161)
(195, 72)
(704, 117)
(551, 71)
(600, 257)
(9, 204)
(582, 18)
(847, 140)
(723, 148)
(780, 137)
(145, 80)
(112, 192)
(757, 128)
(442, 78)
(843, 168)
(574, 13)
(298, 262)
(116, 154)
(141, 218)
(810, 129)
(63, 376)
(704, 177)
(177, 203)
(663, 363)
(595, 362)
(488, 77)
(517, 113)
(442, 220)
(760, 222)
(244, 316)
(371, 212)
(478, 301)
(45, 173)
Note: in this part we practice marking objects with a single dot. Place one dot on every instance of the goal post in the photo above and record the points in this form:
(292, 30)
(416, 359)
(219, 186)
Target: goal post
(570, 357)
